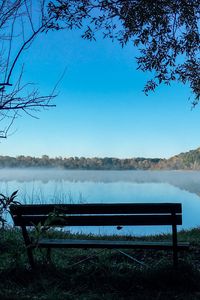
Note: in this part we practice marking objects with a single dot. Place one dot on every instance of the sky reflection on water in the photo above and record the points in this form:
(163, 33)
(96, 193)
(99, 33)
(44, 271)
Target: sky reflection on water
(108, 186)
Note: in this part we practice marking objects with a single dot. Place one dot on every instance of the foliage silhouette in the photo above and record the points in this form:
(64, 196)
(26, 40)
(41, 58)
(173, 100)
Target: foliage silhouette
(166, 33)
(5, 202)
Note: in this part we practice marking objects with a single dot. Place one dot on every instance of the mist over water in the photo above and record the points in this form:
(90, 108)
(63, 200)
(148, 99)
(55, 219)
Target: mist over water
(81, 186)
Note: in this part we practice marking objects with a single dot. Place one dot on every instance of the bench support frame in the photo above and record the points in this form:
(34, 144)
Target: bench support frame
(136, 214)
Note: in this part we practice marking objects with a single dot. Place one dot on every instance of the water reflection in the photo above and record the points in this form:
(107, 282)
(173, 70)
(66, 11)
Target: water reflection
(108, 186)
(186, 180)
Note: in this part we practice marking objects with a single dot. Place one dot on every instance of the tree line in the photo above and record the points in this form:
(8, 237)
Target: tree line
(184, 161)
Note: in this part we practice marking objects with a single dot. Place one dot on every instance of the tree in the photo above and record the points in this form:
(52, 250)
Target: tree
(166, 33)
(21, 21)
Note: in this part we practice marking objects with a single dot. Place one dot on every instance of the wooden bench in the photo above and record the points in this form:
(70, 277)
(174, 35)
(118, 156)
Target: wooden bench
(137, 214)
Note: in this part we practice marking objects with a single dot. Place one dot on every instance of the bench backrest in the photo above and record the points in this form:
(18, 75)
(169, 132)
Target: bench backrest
(98, 214)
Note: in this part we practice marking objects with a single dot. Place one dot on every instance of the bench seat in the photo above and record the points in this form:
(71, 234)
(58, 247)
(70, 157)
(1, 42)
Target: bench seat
(99, 214)
(74, 243)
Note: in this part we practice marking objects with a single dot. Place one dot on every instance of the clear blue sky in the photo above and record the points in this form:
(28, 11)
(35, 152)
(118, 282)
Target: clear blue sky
(101, 109)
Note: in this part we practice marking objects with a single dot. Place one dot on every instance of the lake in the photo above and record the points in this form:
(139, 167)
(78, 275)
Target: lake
(75, 186)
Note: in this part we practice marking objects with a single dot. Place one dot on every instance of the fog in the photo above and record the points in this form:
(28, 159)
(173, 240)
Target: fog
(75, 186)
(184, 180)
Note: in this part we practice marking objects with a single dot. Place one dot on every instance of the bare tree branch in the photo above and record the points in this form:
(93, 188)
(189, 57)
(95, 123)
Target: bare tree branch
(21, 21)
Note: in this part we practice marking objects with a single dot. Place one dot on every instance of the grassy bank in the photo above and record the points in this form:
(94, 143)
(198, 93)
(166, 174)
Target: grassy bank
(107, 275)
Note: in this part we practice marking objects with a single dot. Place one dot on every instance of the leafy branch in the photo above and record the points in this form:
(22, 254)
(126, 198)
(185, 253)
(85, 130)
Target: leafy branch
(5, 202)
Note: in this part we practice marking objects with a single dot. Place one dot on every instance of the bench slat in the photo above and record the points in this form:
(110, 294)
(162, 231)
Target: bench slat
(100, 215)
(71, 243)
(104, 220)
(108, 208)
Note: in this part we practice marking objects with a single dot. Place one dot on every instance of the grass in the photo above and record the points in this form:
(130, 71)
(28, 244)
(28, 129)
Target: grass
(108, 275)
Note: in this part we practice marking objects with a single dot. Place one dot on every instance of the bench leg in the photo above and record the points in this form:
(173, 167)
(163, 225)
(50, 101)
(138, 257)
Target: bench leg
(28, 246)
(30, 257)
(48, 255)
(175, 248)
(175, 258)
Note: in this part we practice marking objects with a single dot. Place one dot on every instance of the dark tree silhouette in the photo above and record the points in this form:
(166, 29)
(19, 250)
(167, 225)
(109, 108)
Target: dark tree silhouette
(21, 21)
(166, 32)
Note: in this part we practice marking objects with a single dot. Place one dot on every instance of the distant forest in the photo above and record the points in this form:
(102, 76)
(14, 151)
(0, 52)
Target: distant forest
(184, 161)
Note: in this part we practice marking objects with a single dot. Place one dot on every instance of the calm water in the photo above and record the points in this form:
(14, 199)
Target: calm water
(58, 186)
